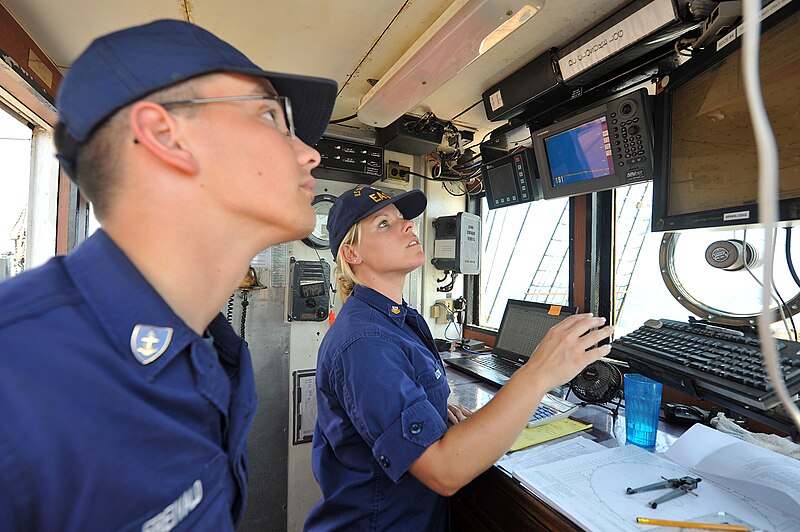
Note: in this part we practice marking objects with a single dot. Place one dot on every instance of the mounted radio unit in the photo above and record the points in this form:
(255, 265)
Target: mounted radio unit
(603, 147)
(511, 179)
(309, 297)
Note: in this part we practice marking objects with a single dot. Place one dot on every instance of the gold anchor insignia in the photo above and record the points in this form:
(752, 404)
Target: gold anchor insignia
(147, 348)
(149, 341)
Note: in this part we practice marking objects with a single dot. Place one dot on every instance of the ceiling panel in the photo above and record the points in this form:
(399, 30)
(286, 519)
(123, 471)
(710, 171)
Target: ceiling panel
(350, 41)
(557, 24)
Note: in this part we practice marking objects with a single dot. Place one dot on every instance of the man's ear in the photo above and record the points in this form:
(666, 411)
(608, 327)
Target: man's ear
(350, 254)
(157, 131)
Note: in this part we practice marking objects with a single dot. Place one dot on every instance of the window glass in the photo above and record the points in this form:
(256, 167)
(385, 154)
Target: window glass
(639, 291)
(92, 223)
(15, 159)
(642, 290)
(525, 256)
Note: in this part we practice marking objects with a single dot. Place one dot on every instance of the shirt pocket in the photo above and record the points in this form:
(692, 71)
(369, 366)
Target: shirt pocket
(200, 504)
(434, 382)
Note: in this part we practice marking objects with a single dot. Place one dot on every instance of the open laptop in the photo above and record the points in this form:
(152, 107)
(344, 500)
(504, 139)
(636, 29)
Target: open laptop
(524, 325)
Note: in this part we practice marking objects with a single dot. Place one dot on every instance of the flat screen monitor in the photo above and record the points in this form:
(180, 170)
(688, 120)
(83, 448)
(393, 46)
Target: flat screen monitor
(605, 146)
(706, 163)
(511, 179)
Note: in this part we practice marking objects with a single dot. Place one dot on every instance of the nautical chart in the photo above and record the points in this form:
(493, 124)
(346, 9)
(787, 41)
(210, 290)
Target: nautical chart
(590, 489)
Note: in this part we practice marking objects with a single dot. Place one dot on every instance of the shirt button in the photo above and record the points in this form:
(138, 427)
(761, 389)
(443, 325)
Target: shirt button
(384, 462)
(416, 427)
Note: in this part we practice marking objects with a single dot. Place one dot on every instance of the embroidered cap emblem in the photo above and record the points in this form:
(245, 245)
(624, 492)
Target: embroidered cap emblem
(148, 342)
(395, 309)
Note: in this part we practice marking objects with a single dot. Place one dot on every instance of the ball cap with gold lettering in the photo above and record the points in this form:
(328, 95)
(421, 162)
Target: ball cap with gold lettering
(356, 204)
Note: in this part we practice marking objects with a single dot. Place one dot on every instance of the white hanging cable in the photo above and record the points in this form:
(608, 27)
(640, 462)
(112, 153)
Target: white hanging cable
(767, 191)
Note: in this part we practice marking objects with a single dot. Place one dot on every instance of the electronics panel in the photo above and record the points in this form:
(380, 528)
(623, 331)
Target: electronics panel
(348, 161)
(309, 290)
(412, 135)
(599, 148)
(706, 163)
(511, 179)
(457, 244)
(537, 85)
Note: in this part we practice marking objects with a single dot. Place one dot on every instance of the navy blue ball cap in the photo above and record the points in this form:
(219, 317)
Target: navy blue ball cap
(125, 66)
(358, 203)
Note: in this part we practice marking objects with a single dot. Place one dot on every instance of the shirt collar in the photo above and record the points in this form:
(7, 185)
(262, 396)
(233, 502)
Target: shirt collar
(382, 304)
(121, 298)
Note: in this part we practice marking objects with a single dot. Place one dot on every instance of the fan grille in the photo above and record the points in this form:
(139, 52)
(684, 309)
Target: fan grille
(598, 382)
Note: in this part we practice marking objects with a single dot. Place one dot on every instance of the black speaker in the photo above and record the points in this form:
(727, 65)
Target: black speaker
(309, 299)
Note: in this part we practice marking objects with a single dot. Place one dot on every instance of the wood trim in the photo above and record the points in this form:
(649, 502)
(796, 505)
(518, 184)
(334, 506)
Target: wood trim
(494, 501)
(484, 335)
(29, 60)
(578, 249)
(63, 213)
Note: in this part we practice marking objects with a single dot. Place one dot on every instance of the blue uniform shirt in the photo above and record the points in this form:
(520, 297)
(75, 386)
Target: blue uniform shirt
(93, 439)
(382, 400)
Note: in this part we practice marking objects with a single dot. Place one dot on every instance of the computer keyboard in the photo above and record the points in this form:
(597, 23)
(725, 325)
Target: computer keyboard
(551, 409)
(506, 367)
(708, 361)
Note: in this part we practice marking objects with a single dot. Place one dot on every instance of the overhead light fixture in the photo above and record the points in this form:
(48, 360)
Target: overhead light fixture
(465, 30)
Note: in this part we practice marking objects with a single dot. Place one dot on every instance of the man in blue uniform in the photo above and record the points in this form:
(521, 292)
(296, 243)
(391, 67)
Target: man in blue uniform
(125, 397)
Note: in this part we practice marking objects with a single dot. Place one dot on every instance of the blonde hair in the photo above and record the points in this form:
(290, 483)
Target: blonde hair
(345, 278)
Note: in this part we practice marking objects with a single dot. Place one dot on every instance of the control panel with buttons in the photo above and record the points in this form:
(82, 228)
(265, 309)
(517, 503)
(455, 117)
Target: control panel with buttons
(602, 147)
(349, 161)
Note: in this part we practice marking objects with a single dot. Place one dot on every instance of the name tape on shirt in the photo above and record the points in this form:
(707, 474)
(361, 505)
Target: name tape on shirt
(175, 512)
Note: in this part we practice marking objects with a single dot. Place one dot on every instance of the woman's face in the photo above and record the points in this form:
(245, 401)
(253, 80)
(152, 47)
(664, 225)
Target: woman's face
(388, 244)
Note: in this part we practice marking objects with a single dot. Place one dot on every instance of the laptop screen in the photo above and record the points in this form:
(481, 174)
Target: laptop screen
(524, 325)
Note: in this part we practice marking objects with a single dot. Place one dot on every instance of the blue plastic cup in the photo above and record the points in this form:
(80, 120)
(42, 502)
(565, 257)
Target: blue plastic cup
(642, 405)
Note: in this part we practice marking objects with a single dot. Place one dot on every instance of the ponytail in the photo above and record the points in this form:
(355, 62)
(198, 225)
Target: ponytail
(345, 278)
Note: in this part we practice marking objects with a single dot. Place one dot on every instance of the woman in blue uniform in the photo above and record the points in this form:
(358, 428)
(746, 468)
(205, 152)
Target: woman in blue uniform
(383, 454)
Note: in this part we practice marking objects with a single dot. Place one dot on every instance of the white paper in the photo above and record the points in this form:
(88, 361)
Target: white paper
(545, 454)
(591, 490)
(742, 467)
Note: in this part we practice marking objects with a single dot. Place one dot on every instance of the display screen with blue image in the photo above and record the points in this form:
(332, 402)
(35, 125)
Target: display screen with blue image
(580, 153)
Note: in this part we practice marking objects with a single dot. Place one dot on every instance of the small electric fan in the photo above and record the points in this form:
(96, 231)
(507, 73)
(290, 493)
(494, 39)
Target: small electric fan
(598, 383)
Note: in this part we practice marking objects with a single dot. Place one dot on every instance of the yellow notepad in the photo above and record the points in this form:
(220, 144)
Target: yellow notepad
(547, 432)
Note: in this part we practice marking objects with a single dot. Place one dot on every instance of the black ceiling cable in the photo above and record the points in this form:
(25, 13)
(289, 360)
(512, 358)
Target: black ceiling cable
(465, 110)
(789, 261)
(345, 119)
(409, 172)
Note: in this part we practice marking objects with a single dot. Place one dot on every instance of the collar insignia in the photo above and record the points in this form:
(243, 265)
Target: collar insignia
(148, 342)
(395, 309)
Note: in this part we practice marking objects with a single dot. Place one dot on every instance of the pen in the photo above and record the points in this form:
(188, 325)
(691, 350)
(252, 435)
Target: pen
(689, 524)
